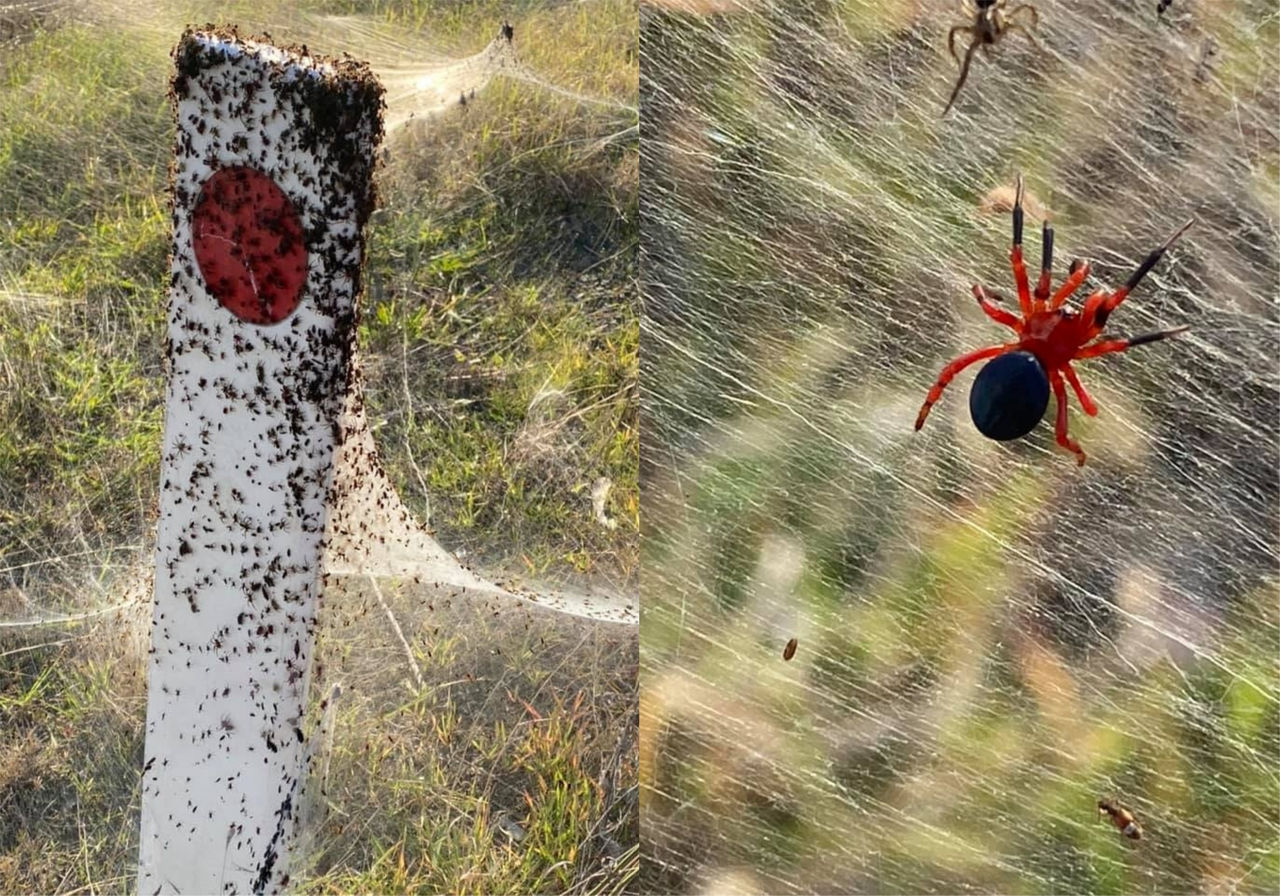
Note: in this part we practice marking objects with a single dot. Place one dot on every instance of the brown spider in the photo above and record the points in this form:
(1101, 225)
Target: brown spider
(1122, 818)
(990, 23)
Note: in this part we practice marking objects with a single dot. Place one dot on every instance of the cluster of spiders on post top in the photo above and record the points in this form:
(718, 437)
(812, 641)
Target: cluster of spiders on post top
(1010, 394)
(991, 21)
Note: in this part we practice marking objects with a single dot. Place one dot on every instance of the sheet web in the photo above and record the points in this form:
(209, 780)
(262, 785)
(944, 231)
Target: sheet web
(457, 651)
(990, 639)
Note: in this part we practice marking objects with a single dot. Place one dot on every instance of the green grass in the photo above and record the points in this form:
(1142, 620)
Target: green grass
(82, 266)
(499, 341)
(503, 772)
(503, 312)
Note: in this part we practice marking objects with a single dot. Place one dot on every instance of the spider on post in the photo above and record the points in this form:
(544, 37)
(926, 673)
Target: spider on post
(1010, 394)
(990, 23)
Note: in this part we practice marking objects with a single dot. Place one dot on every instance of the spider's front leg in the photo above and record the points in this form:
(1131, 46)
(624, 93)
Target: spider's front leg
(1111, 302)
(1015, 255)
(996, 313)
(964, 73)
(951, 38)
(1060, 425)
(1078, 274)
(949, 373)
(1019, 10)
(1046, 266)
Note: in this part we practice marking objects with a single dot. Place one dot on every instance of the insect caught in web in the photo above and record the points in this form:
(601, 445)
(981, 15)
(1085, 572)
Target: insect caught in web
(1010, 394)
(1122, 818)
(991, 22)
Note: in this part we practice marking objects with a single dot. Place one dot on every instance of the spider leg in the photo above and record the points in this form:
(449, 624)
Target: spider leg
(1019, 10)
(1031, 35)
(949, 373)
(1015, 255)
(1107, 346)
(964, 73)
(1086, 400)
(951, 38)
(1060, 425)
(1079, 273)
(1046, 265)
(1092, 308)
(999, 315)
(1100, 319)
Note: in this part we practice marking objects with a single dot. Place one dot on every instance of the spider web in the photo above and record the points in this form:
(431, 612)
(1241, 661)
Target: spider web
(990, 639)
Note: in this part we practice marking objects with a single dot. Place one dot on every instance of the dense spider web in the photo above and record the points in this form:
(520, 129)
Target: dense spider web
(990, 639)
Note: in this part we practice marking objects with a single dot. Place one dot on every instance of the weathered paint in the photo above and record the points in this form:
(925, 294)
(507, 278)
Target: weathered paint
(273, 145)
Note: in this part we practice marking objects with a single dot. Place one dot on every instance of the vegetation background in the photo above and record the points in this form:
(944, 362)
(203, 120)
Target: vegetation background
(990, 639)
(499, 341)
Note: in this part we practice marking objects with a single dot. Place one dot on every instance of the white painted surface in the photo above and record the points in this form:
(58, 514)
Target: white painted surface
(251, 423)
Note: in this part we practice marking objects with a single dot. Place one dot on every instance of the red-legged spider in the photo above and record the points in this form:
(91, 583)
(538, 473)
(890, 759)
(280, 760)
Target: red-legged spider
(1050, 336)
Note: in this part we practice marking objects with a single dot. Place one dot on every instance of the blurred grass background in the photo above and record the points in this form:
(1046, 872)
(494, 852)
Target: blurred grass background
(499, 343)
(990, 639)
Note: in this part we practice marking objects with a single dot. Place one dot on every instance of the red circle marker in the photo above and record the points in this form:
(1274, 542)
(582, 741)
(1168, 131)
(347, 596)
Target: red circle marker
(248, 243)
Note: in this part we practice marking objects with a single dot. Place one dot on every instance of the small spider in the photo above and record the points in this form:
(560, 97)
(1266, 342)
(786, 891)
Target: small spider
(1010, 394)
(1122, 818)
(990, 24)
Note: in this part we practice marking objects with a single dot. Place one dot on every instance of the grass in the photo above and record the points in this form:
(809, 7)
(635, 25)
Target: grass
(499, 342)
(81, 269)
(503, 285)
(500, 772)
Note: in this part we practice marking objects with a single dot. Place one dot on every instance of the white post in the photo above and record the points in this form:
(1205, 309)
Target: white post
(271, 187)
